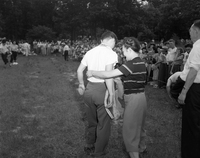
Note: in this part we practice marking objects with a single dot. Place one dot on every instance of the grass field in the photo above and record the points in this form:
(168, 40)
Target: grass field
(41, 114)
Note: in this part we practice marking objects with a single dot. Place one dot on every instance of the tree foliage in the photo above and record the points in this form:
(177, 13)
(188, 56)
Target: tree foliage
(40, 33)
(145, 19)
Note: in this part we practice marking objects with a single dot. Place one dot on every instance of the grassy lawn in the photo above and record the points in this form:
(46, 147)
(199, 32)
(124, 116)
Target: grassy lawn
(41, 114)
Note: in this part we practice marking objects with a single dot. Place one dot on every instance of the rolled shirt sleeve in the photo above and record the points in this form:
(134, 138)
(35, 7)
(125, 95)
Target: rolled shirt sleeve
(125, 70)
(195, 59)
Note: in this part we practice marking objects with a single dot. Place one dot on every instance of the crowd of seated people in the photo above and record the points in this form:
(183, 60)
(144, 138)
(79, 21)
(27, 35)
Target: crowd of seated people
(162, 59)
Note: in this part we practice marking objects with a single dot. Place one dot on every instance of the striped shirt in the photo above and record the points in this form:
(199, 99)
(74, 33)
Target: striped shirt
(135, 76)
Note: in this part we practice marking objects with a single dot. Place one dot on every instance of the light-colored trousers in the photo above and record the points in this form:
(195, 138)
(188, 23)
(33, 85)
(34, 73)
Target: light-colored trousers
(134, 121)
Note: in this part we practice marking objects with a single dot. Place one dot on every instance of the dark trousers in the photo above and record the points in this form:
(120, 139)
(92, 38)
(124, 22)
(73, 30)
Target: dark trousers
(163, 75)
(190, 138)
(13, 57)
(98, 127)
(66, 55)
(176, 68)
(5, 58)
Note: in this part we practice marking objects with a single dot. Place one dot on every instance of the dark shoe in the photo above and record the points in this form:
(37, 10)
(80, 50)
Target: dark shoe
(86, 153)
(143, 153)
(89, 150)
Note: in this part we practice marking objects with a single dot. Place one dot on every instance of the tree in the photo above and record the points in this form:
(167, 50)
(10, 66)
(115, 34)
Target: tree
(40, 33)
(69, 18)
(1, 26)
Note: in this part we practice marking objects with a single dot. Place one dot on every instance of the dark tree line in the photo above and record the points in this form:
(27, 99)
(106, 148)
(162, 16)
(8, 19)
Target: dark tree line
(48, 19)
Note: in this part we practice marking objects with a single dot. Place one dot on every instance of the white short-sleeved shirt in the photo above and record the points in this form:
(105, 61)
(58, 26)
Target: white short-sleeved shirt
(193, 61)
(14, 47)
(171, 54)
(98, 58)
(185, 57)
(66, 47)
(3, 49)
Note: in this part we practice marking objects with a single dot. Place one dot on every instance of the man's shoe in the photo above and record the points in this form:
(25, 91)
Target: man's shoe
(89, 150)
(143, 153)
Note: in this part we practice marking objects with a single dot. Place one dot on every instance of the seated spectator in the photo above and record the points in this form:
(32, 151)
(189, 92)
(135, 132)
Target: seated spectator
(151, 51)
(176, 64)
(163, 69)
(171, 55)
(155, 66)
(188, 48)
(143, 54)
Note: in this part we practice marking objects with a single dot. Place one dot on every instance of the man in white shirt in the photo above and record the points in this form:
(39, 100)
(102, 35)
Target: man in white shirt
(100, 58)
(171, 51)
(190, 95)
(66, 52)
(26, 48)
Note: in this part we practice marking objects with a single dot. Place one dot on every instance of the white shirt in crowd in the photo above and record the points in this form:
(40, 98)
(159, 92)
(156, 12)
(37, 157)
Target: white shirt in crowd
(193, 61)
(14, 47)
(98, 58)
(171, 54)
(66, 47)
(3, 49)
(185, 57)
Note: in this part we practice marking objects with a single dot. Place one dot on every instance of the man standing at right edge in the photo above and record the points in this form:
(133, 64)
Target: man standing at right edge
(190, 95)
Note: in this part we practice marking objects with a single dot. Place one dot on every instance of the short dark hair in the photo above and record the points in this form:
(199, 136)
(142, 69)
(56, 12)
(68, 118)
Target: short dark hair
(181, 50)
(171, 41)
(188, 45)
(133, 43)
(3, 41)
(196, 24)
(109, 34)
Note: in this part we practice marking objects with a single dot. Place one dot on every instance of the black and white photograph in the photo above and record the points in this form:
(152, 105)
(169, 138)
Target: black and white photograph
(99, 79)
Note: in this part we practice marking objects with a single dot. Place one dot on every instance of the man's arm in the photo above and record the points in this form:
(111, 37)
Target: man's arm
(81, 87)
(169, 82)
(120, 87)
(110, 86)
(189, 81)
(104, 74)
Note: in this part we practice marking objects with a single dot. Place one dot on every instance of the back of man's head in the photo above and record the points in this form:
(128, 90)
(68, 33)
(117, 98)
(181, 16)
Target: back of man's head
(197, 24)
(108, 34)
